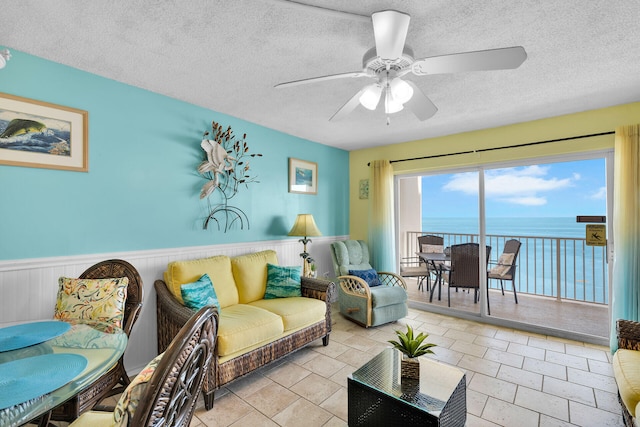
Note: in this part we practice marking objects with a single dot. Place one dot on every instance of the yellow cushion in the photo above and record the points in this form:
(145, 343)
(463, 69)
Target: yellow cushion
(250, 274)
(626, 369)
(92, 299)
(219, 270)
(296, 312)
(242, 326)
(94, 419)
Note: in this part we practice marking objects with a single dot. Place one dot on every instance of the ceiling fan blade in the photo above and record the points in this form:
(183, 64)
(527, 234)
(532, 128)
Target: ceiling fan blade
(349, 106)
(491, 59)
(322, 78)
(390, 31)
(421, 106)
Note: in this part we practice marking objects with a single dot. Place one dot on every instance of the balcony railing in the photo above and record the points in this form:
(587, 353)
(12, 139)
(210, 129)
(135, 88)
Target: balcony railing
(557, 267)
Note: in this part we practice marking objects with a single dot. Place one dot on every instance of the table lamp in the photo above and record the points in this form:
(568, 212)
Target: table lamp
(305, 226)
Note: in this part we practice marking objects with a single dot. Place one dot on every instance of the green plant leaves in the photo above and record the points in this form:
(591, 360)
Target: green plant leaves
(410, 345)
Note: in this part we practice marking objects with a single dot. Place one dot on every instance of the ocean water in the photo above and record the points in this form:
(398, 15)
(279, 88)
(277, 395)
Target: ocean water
(548, 226)
(581, 272)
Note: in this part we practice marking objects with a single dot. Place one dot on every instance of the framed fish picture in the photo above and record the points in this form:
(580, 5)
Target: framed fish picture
(42, 135)
(303, 176)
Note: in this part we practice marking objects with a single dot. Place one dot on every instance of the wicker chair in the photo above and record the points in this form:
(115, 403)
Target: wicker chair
(465, 269)
(359, 302)
(170, 396)
(506, 266)
(116, 379)
(628, 333)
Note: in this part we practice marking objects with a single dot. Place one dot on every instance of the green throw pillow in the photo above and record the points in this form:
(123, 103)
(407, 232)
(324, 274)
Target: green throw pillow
(282, 282)
(199, 293)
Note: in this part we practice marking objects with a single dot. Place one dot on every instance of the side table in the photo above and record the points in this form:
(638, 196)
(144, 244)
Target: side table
(378, 396)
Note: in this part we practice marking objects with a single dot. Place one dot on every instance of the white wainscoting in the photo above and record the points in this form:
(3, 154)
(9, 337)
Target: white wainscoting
(28, 287)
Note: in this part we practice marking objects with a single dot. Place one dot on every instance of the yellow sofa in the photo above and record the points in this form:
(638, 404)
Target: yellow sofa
(626, 370)
(252, 331)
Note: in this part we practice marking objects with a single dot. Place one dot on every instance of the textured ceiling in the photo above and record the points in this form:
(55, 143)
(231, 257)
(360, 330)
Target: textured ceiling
(227, 56)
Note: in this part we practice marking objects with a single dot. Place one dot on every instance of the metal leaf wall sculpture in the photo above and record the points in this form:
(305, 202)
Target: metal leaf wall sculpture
(226, 168)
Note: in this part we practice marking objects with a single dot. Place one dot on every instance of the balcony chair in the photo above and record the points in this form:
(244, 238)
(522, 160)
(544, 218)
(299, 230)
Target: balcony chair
(165, 393)
(434, 244)
(465, 269)
(116, 379)
(418, 269)
(505, 269)
(365, 296)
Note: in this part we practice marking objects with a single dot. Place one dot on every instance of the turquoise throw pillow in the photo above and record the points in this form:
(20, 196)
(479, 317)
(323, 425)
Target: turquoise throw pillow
(282, 282)
(199, 293)
(369, 276)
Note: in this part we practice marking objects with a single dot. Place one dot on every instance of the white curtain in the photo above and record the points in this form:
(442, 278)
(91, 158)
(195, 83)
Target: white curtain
(381, 218)
(625, 301)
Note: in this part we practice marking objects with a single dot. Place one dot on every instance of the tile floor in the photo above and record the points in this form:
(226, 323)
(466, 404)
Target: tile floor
(513, 378)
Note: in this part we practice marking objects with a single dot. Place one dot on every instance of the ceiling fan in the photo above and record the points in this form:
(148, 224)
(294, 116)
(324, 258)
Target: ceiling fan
(391, 59)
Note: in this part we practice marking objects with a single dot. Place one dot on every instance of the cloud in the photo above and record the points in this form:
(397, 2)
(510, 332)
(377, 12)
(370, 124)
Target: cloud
(600, 194)
(522, 186)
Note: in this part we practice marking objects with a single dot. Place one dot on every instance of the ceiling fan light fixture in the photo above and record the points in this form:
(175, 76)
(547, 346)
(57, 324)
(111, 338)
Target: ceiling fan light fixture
(391, 105)
(401, 90)
(371, 96)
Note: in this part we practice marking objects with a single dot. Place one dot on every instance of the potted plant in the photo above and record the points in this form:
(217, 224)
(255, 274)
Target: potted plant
(314, 273)
(411, 347)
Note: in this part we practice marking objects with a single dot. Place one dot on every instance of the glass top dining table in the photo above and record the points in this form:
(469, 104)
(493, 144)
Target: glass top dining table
(438, 262)
(101, 344)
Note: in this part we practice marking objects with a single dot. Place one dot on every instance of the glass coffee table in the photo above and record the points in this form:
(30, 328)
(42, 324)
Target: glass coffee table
(378, 396)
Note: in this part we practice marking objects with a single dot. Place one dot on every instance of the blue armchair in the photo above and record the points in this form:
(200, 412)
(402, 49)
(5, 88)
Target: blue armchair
(365, 296)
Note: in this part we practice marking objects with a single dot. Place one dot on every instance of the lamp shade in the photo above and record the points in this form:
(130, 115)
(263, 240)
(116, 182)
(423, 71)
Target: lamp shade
(305, 226)
(391, 105)
(370, 97)
(401, 90)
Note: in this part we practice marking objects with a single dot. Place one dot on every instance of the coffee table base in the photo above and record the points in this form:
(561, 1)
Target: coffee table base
(370, 407)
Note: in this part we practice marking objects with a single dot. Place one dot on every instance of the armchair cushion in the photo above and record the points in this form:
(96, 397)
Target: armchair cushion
(370, 276)
(383, 296)
(96, 299)
(626, 368)
(199, 293)
(243, 326)
(350, 255)
(217, 267)
(282, 282)
(250, 274)
(296, 312)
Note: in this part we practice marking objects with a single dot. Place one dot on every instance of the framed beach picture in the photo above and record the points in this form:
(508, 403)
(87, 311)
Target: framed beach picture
(303, 176)
(41, 135)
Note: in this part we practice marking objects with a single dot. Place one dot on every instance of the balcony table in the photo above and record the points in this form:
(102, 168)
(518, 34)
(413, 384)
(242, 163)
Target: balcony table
(101, 344)
(437, 260)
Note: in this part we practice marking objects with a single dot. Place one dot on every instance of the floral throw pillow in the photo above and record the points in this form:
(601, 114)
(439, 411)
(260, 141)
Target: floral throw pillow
(130, 398)
(92, 299)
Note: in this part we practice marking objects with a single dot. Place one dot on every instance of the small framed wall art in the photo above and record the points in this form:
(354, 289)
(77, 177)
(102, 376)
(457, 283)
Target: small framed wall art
(41, 135)
(303, 176)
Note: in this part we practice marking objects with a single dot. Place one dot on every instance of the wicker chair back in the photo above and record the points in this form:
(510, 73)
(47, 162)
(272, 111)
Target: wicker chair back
(172, 392)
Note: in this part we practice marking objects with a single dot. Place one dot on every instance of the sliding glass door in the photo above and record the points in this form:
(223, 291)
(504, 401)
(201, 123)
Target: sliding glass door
(543, 267)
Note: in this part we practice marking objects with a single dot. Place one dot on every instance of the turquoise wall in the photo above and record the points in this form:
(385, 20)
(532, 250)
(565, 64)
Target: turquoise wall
(142, 188)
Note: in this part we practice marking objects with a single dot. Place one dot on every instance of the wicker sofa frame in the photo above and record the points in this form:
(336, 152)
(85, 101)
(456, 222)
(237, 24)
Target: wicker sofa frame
(628, 333)
(172, 315)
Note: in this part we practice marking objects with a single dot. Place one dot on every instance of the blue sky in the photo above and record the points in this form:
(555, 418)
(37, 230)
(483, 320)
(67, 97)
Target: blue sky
(546, 190)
